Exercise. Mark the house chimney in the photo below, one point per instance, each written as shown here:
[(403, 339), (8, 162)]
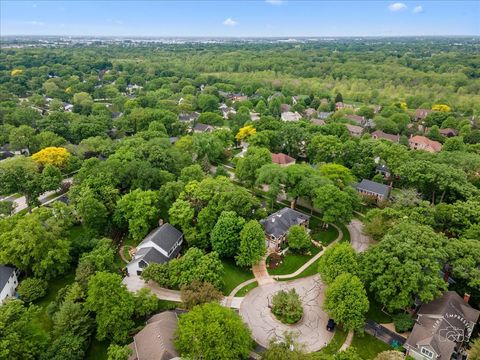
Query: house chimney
[(160, 222), (466, 298)]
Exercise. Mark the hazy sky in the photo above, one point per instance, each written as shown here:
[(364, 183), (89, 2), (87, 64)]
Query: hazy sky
[(240, 18)]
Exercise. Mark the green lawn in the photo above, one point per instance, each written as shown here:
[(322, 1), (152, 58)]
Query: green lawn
[(376, 314), (97, 350), (233, 276), (309, 271), (243, 291), (42, 322), (320, 234), (346, 233), (333, 346), (368, 347), (292, 262)]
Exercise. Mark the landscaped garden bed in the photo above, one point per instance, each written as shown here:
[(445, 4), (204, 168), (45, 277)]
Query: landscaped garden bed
[(290, 262), (287, 306)]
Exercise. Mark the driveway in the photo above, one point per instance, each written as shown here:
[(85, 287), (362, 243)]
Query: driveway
[(311, 329), (358, 240)]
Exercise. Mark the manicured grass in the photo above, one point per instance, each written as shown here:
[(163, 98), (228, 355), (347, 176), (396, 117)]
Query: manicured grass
[(244, 291), (325, 236), (233, 276), (292, 262), (333, 346), (375, 312), (346, 233), (309, 271), (368, 346)]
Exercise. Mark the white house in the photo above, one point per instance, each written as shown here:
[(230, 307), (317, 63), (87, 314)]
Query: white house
[(160, 246), (8, 282), (291, 116)]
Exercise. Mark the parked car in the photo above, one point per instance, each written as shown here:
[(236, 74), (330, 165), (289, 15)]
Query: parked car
[(330, 325)]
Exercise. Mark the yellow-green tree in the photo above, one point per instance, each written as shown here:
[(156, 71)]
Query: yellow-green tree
[(56, 156), (245, 132), (441, 107)]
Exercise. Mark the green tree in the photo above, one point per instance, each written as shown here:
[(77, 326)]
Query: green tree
[(405, 264), (146, 302), (91, 211), (117, 352), (192, 172), (346, 301), (213, 332), (19, 340), (287, 306), (247, 167), (464, 257), (298, 239), (337, 259), (252, 244), (225, 236), (112, 304), (139, 209), (31, 289), (284, 349), (198, 293), (334, 204), (22, 137)]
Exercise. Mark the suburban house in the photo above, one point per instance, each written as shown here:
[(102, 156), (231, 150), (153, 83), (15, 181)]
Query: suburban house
[(418, 142), (371, 188), (277, 224), (442, 329), (188, 117), (226, 110), (359, 120), (421, 114), (310, 113), (354, 130), (291, 116), (285, 108), (340, 105), (156, 340), (160, 246), (254, 116), (448, 132), (323, 115), (318, 122), (8, 282), (203, 128), (282, 159), (379, 134)]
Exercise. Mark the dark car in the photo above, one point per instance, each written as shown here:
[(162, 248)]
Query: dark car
[(330, 325)]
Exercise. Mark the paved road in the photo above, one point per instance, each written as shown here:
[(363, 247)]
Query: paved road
[(358, 240), (311, 329)]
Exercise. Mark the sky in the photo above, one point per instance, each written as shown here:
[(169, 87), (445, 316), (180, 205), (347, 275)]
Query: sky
[(253, 18)]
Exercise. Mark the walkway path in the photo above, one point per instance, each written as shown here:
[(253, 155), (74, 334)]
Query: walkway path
[(358, 240), (348, 341)]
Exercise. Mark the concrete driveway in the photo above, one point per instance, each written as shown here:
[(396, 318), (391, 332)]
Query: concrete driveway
[(358, 240), (311, 329)]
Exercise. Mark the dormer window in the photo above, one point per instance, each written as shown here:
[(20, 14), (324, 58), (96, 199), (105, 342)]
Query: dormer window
[(429, 354)]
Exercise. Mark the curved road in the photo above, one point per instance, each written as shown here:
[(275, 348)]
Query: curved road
[(358, 240)]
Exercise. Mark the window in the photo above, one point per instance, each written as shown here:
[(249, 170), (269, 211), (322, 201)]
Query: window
[(427, 353)]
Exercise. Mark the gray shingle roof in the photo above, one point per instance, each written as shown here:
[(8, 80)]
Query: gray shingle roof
[(164, 236), (277, 224), (5, 273), (374, 187)]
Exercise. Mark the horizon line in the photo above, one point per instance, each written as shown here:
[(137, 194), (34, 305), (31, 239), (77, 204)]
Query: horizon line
[(239, 36)]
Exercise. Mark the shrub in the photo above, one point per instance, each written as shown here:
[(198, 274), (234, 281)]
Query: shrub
[(198, 293), (403, 322), (32, 289), (298, 239), (287, 306)]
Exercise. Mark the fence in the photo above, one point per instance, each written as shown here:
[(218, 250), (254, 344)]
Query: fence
[(384, 334)]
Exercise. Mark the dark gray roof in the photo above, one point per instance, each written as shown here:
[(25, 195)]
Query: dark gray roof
[(374, 187), (202, 127), (5, 273), (151, 255), (277, 224), (164, 236), (441, 324)]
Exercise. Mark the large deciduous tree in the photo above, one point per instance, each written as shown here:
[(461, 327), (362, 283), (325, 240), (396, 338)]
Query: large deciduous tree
[(252, 244), (346, 301), (337, 260), (298, 239), (225, 235), (405, 264), (334, 204), (248, 166), (212, 332)]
